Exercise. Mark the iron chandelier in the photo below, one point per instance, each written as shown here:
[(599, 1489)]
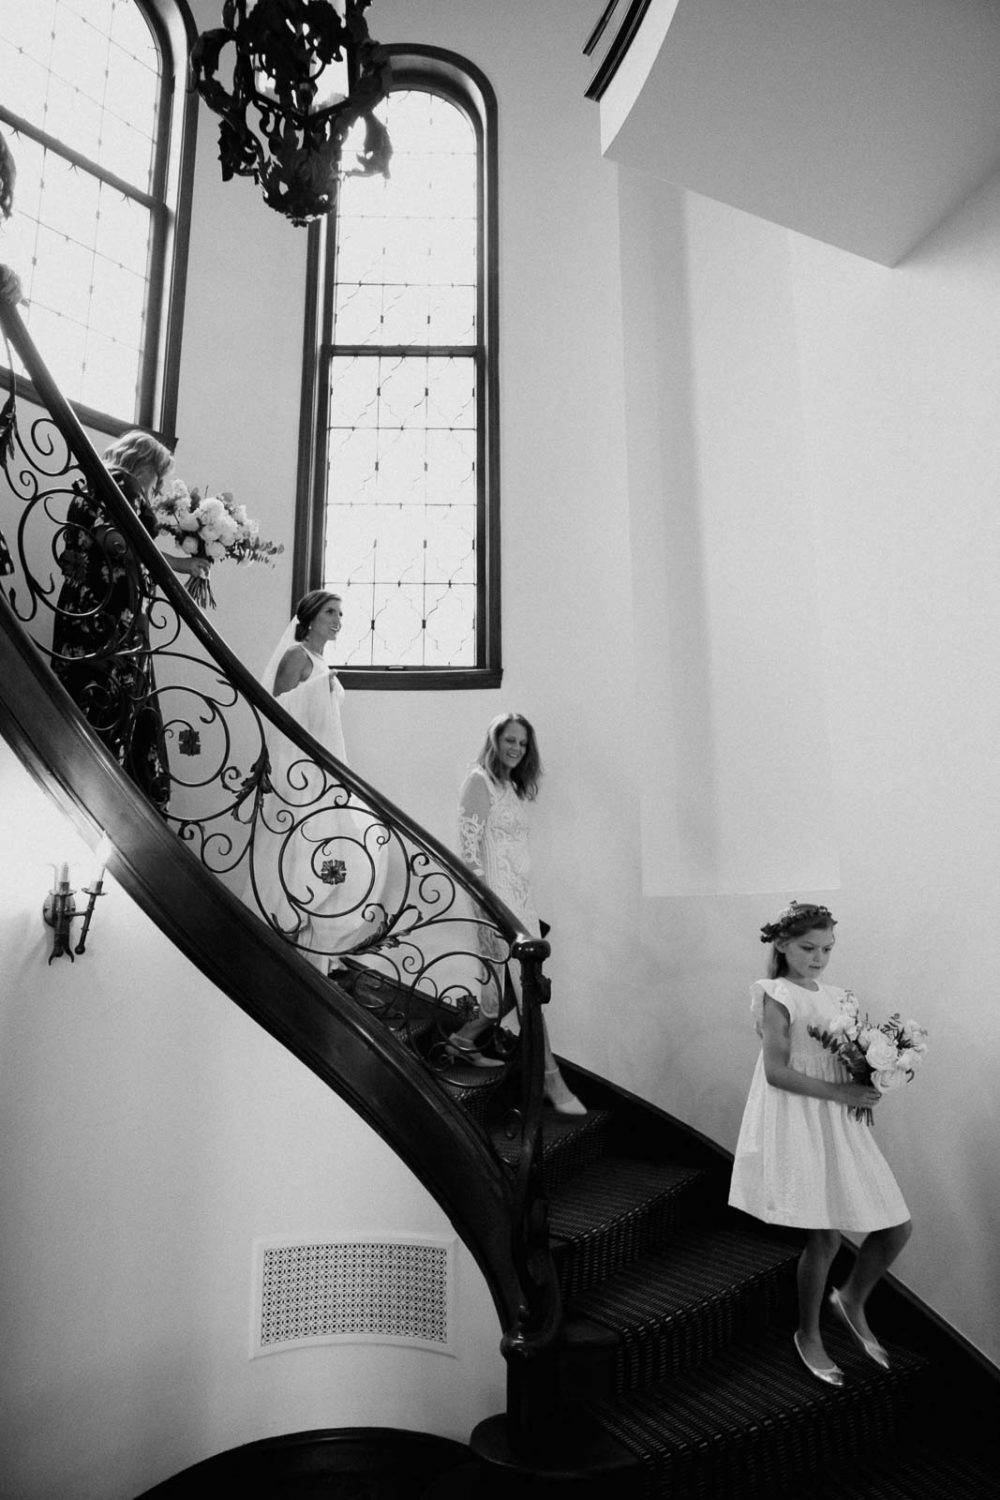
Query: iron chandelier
[(303, 73)]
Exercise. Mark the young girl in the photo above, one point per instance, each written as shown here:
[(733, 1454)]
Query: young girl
[(802, 1158)]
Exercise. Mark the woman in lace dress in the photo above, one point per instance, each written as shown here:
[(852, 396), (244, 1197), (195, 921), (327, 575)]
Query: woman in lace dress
[(493, 842)]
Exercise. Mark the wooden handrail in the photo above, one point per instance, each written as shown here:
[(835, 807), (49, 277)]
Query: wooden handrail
[(500, 1216)]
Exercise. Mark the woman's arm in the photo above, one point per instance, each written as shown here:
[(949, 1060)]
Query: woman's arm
[(473, 811), (293, 668), (779, 1075)]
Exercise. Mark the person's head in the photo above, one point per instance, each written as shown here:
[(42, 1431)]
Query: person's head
[(140, 455), (510, 753), (319, 611), (801, 939)]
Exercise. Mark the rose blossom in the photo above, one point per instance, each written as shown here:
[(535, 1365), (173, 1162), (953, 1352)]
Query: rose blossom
[(887, 1079), (880, 1052)]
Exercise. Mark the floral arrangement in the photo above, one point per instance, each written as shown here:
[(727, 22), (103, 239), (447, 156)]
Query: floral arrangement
[(886, 1056), (214, 527)]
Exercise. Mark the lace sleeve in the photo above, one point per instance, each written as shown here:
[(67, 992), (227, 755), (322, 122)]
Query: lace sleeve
[(473, 810)]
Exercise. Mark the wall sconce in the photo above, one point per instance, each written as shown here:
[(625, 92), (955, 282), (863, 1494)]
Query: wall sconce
[(59, 911)]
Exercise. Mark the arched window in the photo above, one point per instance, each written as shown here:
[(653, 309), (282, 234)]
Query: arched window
[(400, 468), (95, 113)]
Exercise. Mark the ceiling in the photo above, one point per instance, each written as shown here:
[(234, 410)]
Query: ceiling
[(863, 123)]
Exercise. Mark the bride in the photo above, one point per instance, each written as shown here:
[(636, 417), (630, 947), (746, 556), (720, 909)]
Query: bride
[(316, 865)]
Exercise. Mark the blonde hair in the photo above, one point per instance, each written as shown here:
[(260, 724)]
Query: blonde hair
[(135, 451)]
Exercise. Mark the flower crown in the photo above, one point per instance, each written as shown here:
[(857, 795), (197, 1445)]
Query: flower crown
[(795, 913)]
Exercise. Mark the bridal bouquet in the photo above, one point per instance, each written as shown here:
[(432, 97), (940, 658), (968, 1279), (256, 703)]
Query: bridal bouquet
[(211, 526), (886, 1056)]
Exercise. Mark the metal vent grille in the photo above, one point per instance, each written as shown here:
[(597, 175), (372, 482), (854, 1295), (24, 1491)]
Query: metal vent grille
[(353, 1291)]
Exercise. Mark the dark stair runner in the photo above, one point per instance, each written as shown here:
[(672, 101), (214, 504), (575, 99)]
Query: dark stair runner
[(696, 1392), (705, 1396)]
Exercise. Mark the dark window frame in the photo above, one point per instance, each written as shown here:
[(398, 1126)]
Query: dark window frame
[(456, 79), (169, 200)]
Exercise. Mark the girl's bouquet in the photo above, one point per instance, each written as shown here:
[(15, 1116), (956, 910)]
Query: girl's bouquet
[(886, 1056), (211, 526)]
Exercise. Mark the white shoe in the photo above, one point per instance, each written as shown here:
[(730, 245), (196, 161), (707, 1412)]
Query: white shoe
[(560, 1096)]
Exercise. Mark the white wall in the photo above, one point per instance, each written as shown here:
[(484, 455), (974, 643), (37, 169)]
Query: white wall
[(567, 627), (831, 467), (151, 1133), (748, 571)]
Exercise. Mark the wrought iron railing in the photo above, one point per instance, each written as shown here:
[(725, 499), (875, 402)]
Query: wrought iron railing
[(336, 872)]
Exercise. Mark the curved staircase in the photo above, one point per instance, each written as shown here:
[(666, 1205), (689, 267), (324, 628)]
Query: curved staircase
[(646, 1326), (676, 1375), (680, 1313)]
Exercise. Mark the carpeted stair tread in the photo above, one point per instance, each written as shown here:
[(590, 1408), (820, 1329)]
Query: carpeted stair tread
[(614, 1185), (752, 1421), (614, 1211), (569, 1144), (927, 1471), (679, 1305), (473, 1089)]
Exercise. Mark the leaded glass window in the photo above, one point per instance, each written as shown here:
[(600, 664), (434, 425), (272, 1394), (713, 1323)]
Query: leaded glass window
[(83, 106), (407, 489)]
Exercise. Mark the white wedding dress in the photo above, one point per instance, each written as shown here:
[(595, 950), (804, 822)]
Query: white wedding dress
[(318, 865)]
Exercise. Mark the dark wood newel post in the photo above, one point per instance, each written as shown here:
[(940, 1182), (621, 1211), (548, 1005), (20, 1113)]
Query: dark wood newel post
[(532, 1392)]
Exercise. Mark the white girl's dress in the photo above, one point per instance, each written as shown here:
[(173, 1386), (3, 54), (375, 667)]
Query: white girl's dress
[(804, 1162)]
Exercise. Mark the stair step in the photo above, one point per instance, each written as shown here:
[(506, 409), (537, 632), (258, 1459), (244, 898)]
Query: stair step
[(569, 1144), (919, 1473), (474, 1089), (615, 1211), (682, 1304), (752, 1422)]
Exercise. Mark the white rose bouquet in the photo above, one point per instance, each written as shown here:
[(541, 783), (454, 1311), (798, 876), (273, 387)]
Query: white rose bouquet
[(211, 526), (885, 1056)]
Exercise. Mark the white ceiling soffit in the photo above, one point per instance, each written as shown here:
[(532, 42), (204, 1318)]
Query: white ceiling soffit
[(863, 123)]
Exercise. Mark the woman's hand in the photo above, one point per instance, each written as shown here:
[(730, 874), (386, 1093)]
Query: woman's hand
[(195, 567), (114, 543)]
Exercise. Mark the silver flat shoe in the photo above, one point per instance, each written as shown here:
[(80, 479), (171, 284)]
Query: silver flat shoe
[(872, 1347), (468, 1053), (829, 1374)]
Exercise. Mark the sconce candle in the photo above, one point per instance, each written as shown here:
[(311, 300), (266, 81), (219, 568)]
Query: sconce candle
[(94, 890), (60, 910)]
